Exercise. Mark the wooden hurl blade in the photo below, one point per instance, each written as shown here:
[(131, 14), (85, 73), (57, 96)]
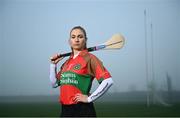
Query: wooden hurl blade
[(115, 42)]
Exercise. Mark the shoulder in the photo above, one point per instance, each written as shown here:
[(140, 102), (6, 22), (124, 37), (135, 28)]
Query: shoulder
[(91, 58)]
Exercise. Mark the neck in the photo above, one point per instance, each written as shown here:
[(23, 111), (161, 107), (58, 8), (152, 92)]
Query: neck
[(76, 52)]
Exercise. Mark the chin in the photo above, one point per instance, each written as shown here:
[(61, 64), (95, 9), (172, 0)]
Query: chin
[(77, 48)]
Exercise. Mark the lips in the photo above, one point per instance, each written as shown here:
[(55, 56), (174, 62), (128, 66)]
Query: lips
[(76, 44)]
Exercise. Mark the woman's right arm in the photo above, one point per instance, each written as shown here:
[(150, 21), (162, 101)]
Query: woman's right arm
[(52, 75), (53, 70)]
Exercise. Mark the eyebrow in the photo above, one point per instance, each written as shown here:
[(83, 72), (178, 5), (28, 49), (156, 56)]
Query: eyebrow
[(77, 35)]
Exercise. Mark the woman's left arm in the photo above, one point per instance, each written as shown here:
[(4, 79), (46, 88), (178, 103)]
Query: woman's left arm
[(102, 88)]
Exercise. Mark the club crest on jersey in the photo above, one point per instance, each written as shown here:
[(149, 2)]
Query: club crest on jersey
[(77, 67)]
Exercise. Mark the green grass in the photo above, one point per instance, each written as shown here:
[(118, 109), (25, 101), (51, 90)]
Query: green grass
[(102, 109), (136, 110), (29, 109)]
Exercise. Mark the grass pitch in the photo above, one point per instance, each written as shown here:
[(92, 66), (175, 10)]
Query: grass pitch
[(106, 109)]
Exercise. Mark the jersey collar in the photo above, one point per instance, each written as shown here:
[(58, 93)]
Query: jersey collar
[(82, 53)]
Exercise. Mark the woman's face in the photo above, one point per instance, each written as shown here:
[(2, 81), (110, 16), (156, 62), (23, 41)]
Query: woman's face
[(77, 39)]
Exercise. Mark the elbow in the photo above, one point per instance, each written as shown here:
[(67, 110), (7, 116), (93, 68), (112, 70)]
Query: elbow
[(54, 85), (111, 82)]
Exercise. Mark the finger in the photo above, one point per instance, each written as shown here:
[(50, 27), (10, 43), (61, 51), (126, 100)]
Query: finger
[(57, 55), (57, 60), (76, 100), (79, 98), (52, 59), (61, 58), (78, 94)]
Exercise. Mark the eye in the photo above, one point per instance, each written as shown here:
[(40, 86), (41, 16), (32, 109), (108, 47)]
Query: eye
[(81, 36), (72, 36)]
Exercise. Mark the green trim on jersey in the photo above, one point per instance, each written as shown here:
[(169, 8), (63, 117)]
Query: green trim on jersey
[(82, 82), (100, 80)]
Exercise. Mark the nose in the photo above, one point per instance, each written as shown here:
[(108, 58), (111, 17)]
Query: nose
[(77, 39)]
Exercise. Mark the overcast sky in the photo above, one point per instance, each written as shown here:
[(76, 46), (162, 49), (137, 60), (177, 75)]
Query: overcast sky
[(33, 30)]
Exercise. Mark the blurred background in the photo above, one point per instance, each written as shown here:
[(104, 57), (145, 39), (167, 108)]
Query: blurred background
[(145, 71)]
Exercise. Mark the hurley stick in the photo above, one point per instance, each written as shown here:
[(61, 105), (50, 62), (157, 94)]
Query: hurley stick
[(115, 42)]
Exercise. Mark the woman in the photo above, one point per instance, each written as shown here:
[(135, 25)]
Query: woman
[(76, 75)]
